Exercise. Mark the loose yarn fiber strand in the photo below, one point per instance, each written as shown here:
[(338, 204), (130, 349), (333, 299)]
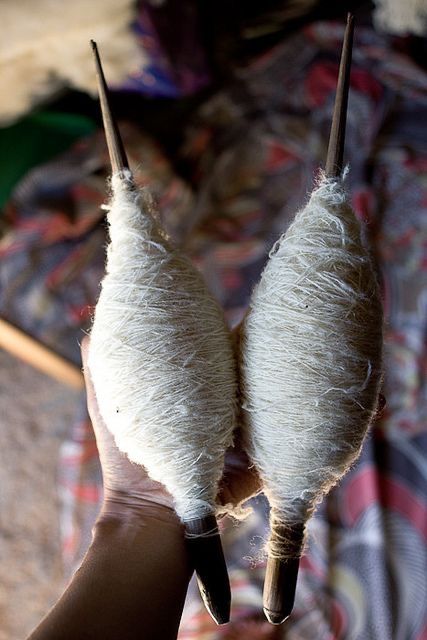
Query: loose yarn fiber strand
[(161, 357), (310, 361)]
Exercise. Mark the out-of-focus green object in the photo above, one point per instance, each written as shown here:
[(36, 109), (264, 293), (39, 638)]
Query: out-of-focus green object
[(35, 139)]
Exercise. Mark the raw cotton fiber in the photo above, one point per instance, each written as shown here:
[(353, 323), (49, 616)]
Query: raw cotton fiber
[(401, 17), (44, 48)]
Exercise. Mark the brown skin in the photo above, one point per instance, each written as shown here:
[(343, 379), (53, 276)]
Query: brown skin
[(134, 578)]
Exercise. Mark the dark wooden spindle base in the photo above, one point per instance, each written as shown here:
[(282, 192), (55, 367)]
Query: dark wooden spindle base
[(208, 560)]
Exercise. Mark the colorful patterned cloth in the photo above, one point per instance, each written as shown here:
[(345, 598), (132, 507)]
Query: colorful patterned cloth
[(251, 154), (177, 64)]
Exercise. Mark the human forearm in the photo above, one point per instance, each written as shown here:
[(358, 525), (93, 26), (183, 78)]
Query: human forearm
[(132, 582)]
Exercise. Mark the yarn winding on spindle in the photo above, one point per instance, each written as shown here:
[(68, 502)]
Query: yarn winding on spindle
[(161, 357), (310, 361)]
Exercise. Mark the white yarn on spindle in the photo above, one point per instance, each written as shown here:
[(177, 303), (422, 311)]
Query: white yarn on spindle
[(310, 360), (161, 357)]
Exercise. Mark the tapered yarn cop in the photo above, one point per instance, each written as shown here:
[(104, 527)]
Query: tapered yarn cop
[(163, 369), (311, 367)]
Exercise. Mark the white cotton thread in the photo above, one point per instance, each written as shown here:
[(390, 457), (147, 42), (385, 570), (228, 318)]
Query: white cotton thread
[(211, 533), (239, 511), (161, 357), (310, 361)]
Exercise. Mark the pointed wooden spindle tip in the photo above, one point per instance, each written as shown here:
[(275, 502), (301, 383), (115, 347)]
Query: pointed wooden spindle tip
[(280, 585), (281, 575), (115, 146), (207, 557), (334, 159)]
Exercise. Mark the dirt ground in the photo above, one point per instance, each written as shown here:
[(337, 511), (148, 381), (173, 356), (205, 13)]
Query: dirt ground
[(35, 414)]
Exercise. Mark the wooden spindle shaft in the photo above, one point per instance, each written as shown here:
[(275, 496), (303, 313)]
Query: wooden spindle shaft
[(39, 356), (335, 155), (282, 573), (115, 146)]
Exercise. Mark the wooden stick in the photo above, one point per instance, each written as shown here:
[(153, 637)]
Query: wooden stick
[(21, 345), (116, 149), (207, 556), (204, 542), (281, 575), (335, 155)]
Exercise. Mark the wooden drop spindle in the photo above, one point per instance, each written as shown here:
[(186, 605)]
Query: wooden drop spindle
[(204, 542), (281, 575)]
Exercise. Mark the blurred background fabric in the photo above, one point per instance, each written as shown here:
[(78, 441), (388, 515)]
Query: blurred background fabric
[(227, 121)]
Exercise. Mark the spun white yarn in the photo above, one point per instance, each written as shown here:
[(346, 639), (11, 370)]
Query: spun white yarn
[(161, 357), (310, 360)]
